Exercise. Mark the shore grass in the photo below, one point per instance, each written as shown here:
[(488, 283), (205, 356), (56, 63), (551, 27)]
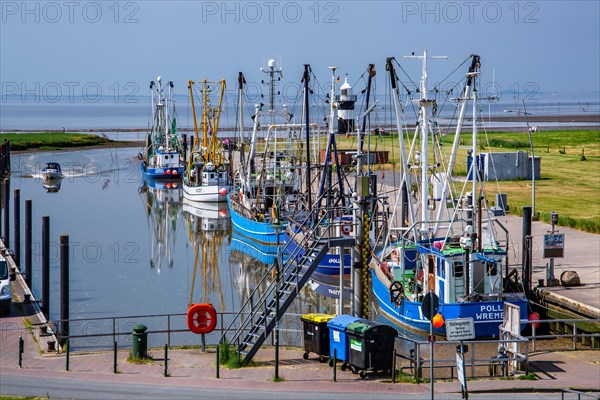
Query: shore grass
[(53, 140), (570, 171)]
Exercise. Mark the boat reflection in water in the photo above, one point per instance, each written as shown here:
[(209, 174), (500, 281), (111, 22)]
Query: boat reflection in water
[(52, 186), (162, 201), (208, 229)]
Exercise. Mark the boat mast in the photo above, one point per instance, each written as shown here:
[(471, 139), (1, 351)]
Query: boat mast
[(424, 104), (405, 204), (306, 79), (242, 138), (196, 129), (475, 63), (475, 168)]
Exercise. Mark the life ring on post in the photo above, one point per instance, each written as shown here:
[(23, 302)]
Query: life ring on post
[(396, 293), (347, 228), (201, 318)]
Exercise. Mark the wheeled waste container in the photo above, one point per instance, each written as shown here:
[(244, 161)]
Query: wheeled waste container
[(337, 338), (370, 346), (316, 335)]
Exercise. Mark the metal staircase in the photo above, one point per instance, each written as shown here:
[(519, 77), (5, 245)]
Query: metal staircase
[(252, 325)]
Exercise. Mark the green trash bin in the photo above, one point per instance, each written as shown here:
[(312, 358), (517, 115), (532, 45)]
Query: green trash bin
[(139, 342), (371, 346)]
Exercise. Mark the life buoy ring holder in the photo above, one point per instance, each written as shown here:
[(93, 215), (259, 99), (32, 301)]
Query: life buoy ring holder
[(201, 318), (396, 293), (347, 228)]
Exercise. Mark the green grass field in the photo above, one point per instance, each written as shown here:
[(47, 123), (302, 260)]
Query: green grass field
[(570, 171), (52, 140)]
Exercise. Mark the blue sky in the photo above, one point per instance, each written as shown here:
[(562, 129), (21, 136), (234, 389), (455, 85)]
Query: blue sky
[(550, 46)]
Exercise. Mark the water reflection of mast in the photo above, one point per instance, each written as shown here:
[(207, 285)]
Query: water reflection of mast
[(163, 205), (207, 226)]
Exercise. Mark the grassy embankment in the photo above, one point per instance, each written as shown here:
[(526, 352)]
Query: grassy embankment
[(570, 171), (53, 140)]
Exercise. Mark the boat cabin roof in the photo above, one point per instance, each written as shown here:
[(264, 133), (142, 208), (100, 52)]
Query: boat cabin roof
[(52, 165)]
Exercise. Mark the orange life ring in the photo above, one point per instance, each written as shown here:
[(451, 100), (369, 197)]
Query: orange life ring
[(201, 318)]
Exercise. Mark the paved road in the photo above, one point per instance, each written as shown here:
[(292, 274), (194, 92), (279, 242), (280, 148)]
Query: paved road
[(91, 390)]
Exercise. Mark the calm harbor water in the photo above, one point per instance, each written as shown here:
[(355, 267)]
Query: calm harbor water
[(137, 248)]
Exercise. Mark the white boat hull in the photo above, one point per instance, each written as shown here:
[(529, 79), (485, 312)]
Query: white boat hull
[(206, 193)]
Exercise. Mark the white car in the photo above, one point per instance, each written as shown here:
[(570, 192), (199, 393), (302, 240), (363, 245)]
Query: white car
[(5, 291)]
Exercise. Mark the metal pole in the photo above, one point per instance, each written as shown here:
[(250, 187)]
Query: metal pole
[(115, 357), (68, 354), (21, 349), (28, 228), (166, 372), (277, 316), (217, 357), (64, 285), (532, 162), (341, 309), (46, 265), (524, 256), (334, 364), (431, 309), (394, 368), (17, 228)]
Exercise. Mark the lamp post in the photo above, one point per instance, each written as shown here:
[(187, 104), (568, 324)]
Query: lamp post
[(529, 130)]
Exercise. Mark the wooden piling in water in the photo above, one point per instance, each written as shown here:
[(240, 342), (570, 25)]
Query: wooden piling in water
[(46, 265), (64, 285), (28, 228), (6, 189), (17, 228)]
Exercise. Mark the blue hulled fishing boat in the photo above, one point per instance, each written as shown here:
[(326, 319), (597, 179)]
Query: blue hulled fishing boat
[(447, 241), (161, 158)]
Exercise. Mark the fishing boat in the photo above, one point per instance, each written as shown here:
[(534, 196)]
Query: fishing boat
[(52, 172), (161, 158), (269, 177), (208, 174), (447, 242)]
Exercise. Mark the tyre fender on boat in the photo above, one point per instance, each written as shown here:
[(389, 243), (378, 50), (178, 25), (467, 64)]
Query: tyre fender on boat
[(396, 293)]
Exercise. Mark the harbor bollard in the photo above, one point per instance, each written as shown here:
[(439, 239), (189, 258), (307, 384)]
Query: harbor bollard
[(139, 342)]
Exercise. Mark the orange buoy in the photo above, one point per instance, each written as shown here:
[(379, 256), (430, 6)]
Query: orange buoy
[(437, 321), (535, 317)]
